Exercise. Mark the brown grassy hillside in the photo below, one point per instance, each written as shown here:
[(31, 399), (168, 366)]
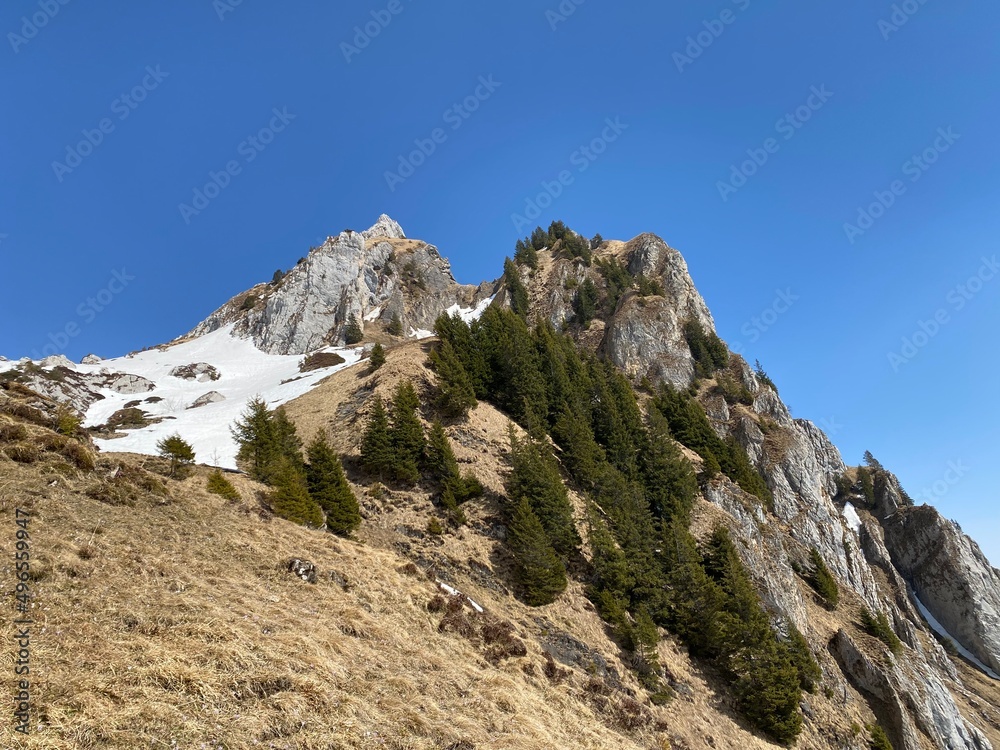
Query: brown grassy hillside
[(165, 617)]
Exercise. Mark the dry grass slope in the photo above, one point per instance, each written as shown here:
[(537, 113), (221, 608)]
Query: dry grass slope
[(166, 616)]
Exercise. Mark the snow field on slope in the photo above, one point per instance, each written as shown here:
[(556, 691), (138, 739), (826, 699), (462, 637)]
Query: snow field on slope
[(245, 372)]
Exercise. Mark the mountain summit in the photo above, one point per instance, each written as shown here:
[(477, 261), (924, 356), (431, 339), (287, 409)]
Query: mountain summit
[(373, 276)]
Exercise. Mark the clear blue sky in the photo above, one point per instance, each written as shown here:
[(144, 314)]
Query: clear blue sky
[(885, 93)]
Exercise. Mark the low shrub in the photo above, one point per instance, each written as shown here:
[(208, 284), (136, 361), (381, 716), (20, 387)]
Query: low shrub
[(319, 360), (219, 485), (879, 627)]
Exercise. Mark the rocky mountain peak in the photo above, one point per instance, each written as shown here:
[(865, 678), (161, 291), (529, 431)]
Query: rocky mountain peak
[(384, 227), (374, 276)]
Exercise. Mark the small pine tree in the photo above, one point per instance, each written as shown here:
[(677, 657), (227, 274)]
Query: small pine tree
[(585, 303), (540, 574), (353, 332), (290, 498), (540, 239), (439, 458), (456, 394), (879, 739), (376, 445), (395, 327), (377, 358), (329, 488), (822, 580), (667, 476), (872, 463), (802, 657), (867, 486), (287, 438), (535, 478), (259, 449), (645, 638), (219, 485), (406, 434), (526, 254), (596, 241), (763, 377), (612, 578), (877, 625), (449, 502), (177, 450), (516, 291)]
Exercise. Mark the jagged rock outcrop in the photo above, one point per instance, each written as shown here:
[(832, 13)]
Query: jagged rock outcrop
[(645, 335), (907, 699), (77, 390), (200, 371), (212, 397), (372, 275), (762, 549), (950, 575)]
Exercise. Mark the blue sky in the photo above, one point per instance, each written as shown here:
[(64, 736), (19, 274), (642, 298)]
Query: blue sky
[(748, 134)]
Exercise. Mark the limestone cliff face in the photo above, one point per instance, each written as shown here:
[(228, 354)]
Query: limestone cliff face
[(372, 275), (645, 335), (948, 573)]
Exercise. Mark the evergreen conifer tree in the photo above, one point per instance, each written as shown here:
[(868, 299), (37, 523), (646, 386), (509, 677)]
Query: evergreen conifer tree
[(290, 497), (695, 600), (765, 681), (406, 434), (540, 239), (612, 581), (540, 574), (867, 486), (377, 358), (802, 657), (219, 485), (823, 581), (376, 445), (645, 639), (286, 437), (329, 488), (535, 478), (353, 332), (526, 254), (583, 457), (439, 458), (585, 303), (256, 436), (456, 394), (872, 463), (516, 291), (395, 327), (667, 477), (177, 450), (459, 334)]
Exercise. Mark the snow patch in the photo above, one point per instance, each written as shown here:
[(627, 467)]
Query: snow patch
[(245, 372), (469, 314), (455, 592), (372, 315), (852, 518), (939, 629), (420, 333)]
